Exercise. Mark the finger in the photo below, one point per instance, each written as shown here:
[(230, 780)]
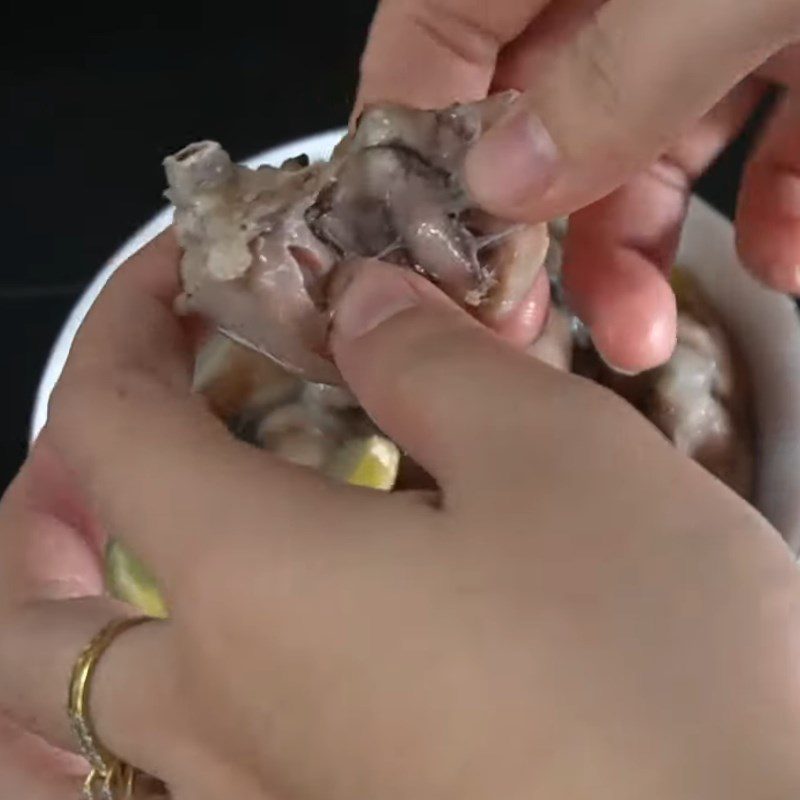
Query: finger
[(626, 303), (132, 694), (439, 383), (526, 321), (620, 249), (132, 326), (49, 546), (431, 53), (768, 213), (31, 769), (157, 467), (51, 605), (49, 557), (610, 102)]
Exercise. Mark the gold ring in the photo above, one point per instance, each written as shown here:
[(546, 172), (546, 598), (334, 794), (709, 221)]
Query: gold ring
[(109, 778)]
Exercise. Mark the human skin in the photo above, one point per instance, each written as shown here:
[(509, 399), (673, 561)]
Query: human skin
[(325, 642), (650, 669), (626, 102)]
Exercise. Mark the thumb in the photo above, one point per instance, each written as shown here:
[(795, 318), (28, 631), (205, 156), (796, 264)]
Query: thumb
[(444, 387), (610, 101)]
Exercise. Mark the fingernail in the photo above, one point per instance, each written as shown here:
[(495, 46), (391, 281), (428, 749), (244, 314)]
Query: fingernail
[(514, 161), (373, 295)]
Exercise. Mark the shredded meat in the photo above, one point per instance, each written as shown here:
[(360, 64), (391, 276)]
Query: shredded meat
[(260, 246), (700, 398)]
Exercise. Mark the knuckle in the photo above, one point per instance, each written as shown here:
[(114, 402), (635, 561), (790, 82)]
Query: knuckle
[(590, 84), (464, 35), (600, 67)]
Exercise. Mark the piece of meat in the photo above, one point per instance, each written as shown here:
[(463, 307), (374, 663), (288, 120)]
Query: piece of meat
[(699, 399), (265, 405), (260, 246), (238, 382)]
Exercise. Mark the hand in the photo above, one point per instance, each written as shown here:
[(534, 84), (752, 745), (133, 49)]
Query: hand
[(581, 613), (625, 103)]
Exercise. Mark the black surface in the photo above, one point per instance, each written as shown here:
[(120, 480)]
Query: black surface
[(92, 105)]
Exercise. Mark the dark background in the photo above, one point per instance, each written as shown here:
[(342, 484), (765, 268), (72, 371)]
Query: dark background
[(92, 104)]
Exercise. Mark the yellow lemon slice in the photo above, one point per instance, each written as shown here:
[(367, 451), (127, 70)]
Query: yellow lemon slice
[(372, 462), (129, 580)]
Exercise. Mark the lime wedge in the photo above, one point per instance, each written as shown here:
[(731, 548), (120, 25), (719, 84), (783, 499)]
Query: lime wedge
[(128, 580), (371, 462)]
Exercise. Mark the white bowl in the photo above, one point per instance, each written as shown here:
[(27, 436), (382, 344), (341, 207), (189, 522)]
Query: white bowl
[(764, 323)]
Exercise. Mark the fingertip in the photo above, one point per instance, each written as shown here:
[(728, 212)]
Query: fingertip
[(771, 252), (768, 227), (366, 293), (627, 304), (637, 337), (768, 213), (381, 320), (155, 268)]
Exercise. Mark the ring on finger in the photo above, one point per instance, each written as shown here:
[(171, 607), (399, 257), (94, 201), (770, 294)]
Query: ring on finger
[(110, 778)]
